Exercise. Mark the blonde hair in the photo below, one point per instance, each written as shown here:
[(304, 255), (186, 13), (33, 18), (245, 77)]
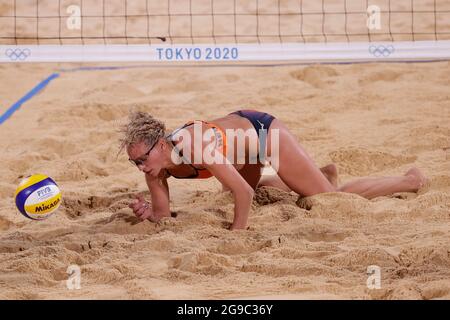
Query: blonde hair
[(142, 127)]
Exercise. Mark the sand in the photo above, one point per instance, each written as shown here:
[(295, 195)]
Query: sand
[(368, 119)]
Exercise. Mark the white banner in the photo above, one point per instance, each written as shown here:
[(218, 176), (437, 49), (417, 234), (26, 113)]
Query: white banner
[(311, 52)]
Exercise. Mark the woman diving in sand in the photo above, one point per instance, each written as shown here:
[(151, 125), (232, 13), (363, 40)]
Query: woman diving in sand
[(233, 149)]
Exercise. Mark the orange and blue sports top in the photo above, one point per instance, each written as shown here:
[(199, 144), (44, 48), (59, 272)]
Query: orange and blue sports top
[(221, 142), (261, 121)]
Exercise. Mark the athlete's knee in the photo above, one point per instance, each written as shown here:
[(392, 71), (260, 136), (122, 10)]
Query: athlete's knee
[(331, 188), (273, 181), (327, 188)]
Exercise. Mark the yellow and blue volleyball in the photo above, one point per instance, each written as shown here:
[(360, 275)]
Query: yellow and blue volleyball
[(37, 197)]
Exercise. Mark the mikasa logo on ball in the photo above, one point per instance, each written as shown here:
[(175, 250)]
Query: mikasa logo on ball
[(46, 207)]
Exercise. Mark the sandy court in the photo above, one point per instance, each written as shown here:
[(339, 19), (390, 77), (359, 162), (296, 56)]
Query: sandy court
[(369, 119)]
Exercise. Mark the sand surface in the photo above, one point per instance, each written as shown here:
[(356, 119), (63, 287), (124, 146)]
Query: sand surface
[(369, 119)]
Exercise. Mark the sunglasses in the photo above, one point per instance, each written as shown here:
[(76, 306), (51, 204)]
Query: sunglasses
[(140, 161)]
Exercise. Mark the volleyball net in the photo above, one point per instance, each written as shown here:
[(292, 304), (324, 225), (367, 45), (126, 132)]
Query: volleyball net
[(223, 30)]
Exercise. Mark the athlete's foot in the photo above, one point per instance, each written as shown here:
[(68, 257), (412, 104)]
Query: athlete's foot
[(418, 179), (330, 172)]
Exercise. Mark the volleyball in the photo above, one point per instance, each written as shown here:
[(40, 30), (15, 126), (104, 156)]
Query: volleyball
[(37, 197)]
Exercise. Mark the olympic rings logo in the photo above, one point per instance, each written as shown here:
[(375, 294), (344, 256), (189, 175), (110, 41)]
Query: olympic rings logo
[(381, 50), (18, 54)]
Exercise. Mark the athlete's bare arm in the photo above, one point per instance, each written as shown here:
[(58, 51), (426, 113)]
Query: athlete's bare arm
[(159, 191), (242, 192)]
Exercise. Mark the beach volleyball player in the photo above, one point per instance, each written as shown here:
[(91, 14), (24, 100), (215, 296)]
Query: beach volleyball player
[(225, 148)]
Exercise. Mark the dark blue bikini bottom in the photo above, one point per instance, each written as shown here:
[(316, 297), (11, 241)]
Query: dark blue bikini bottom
[(261, 121)]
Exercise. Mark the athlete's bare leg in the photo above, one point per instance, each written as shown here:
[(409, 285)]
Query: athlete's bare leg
[(299, 172), (370, 188), (329, 171)]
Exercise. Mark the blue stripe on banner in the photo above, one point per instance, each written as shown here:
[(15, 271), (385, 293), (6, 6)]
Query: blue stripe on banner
[(27, 97), (22, 195)]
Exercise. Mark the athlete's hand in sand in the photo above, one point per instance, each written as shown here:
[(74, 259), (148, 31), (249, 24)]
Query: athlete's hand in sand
[(143, 210)]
